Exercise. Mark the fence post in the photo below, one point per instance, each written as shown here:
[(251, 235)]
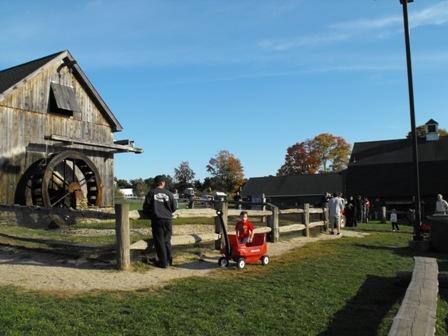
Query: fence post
[(122, 236), (263, 200), (273, 224), (223, 206), (306, 219)]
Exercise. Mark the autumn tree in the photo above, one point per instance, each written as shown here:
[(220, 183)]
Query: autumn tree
[(332, 150), (226, 171), (301, 158), (183, 176), (325, 152)]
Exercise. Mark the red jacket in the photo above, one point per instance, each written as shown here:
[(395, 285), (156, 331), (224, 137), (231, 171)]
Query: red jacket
[(244, 229)]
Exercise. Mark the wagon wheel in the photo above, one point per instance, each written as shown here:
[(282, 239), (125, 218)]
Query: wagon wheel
[(69, 179)]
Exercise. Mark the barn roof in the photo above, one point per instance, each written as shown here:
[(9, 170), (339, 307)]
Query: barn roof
[(14, 75), (398, 151), (294, 185)]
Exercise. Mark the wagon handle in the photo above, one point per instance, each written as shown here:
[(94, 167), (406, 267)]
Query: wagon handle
[(224, 230)]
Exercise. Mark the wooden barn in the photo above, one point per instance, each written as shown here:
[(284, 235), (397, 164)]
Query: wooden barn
[(384, 169), (57, 136), (294, 190)]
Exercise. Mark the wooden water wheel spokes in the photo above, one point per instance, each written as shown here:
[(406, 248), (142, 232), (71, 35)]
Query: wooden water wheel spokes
[(67, 180)]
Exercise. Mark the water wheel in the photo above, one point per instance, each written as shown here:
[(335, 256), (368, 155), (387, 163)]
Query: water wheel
[(68, 179)]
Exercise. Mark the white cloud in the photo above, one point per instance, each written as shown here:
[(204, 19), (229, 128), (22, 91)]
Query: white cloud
[(311, 40), (434, 15), (380, 28)]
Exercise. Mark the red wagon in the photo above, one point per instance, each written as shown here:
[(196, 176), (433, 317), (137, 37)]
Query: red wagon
[(250, 253)]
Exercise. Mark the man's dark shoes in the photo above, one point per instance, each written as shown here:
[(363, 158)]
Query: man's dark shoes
[(160, 265)]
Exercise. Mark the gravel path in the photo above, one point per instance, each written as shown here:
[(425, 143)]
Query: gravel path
[(39, 271)]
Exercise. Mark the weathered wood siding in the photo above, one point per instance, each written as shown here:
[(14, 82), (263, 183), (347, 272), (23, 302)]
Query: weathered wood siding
[(25, 121)]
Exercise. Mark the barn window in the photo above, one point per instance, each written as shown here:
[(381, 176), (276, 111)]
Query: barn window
[(63, 100)]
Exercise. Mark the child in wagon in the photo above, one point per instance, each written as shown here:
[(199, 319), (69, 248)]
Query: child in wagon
[(244, 229)]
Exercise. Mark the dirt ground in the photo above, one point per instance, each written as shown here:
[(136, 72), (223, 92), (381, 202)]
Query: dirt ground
[(40, 271)]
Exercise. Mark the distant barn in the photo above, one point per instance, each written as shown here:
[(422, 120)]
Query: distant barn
[(385, 170), (377, 169), (293, 190), (57, 136)]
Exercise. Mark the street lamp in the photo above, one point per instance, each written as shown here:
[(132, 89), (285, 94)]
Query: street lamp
[(417, 222)]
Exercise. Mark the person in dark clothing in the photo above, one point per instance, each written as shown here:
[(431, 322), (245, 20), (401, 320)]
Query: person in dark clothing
[(358, 210), (159, 205), (237, 200), (350, 211)]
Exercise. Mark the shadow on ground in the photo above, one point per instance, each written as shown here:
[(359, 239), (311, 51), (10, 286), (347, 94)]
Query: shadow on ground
[(364, 313)]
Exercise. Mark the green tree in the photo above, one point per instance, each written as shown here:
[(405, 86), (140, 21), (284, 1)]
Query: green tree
[(183, 176), (121, 183), (139, 187), (226, 171)]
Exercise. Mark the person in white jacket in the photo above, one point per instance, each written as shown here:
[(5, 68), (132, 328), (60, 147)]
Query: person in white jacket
[(441, 205), (335, 207)]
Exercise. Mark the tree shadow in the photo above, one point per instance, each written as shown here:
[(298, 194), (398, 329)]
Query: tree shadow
[(405, 251), (47, 252), (365, 312), (27, 257)]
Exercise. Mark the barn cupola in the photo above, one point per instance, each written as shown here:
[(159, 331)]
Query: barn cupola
[(432, 130)]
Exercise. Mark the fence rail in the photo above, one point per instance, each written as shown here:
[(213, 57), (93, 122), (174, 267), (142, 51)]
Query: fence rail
[(270, 217)]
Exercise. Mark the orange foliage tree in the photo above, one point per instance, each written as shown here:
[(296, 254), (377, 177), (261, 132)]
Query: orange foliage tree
[(325, 152), (301, 158), (226, 171)]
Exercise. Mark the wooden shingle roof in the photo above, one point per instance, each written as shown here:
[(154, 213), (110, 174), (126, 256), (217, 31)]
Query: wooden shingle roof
[(294, 185), (11, 76), (398, 151)]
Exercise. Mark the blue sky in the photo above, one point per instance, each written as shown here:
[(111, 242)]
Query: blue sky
[(189, 78)]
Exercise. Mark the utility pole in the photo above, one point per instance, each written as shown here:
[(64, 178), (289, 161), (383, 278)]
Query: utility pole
[(417, 202)]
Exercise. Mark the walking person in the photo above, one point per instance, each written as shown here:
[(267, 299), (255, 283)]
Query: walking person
[(366, 208), (325, 199), (237, 200), (159, 205), (394, 220), (335, 208)]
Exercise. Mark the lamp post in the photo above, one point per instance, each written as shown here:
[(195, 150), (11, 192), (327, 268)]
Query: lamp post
[(417, 222)]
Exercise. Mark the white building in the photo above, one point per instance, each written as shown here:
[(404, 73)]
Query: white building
[(127, 192)]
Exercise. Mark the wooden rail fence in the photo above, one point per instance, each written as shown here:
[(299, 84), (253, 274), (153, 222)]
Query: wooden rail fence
[(271, 215)]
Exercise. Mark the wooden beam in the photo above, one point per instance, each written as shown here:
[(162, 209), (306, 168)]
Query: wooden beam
[(181, 240), (291, 228), (118, 148), (418, 310)]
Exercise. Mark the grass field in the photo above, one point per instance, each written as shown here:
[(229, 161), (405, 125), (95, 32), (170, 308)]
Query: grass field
[(338, 287)]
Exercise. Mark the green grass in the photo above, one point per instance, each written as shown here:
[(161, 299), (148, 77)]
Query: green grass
[(338, 287), (375, 226)]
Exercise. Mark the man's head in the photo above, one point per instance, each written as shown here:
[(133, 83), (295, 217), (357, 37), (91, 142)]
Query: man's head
[(439, 196), (159, 181)]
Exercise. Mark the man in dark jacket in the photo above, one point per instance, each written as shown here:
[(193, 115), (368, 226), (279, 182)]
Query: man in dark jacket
[(159, 205)]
